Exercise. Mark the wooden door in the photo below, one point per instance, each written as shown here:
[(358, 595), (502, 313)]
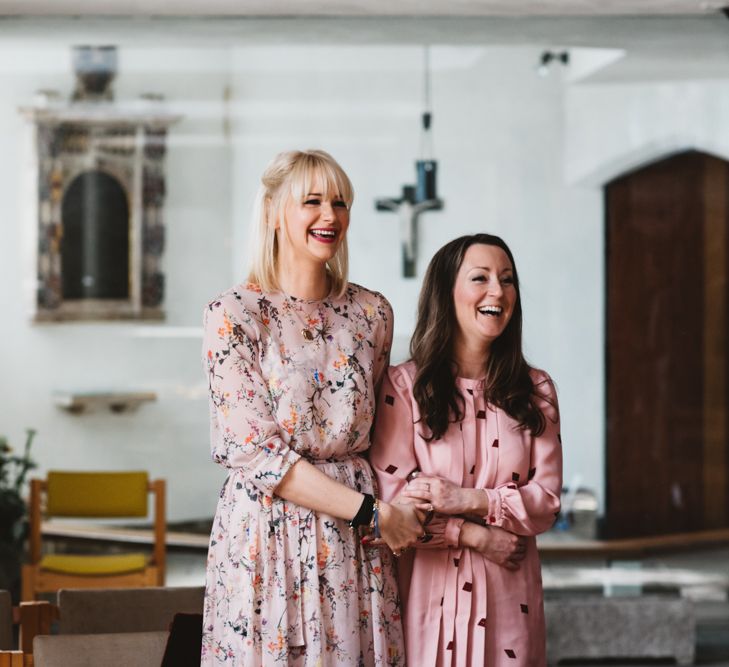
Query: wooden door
[(667, 248)]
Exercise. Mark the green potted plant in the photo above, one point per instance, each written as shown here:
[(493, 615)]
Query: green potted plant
[(14, 470)]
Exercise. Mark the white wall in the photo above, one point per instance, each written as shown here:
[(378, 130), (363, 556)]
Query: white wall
[(169, 437), (614, 128), (519, 156), (499, 135)]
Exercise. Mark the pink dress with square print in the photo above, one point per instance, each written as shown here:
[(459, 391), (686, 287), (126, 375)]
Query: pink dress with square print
[(460, 609)]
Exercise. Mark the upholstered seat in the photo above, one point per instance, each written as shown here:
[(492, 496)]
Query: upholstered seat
[(125, 610), (130, 611), (130, 649), (91, 565), (98, 495)]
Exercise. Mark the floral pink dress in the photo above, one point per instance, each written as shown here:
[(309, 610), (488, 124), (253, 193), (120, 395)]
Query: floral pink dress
[(288, 379), (461, 609)]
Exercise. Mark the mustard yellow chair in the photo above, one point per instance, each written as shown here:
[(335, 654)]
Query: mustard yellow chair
[(93, 495)]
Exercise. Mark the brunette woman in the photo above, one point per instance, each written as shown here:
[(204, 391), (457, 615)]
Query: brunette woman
[(470, 432)]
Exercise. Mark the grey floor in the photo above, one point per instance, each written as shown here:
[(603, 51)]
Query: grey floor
[(702, 575)]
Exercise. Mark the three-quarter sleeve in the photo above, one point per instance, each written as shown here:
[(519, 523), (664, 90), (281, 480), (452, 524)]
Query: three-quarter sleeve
[(244, 434), (531, 508)]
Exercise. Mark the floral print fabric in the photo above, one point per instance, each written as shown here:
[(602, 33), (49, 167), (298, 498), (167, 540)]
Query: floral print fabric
[(290, 378)]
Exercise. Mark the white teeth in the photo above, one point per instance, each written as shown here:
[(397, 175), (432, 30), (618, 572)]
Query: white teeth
[(490, 310), (326, 233)]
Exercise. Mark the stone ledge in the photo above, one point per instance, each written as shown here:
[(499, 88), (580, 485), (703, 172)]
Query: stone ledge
[(594, 627)]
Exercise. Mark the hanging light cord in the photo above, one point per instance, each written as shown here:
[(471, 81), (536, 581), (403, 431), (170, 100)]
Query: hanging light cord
[(427, 115)]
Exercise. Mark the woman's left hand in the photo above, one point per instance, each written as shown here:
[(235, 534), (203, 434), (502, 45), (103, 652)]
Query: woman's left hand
[(400, 526), (436, 494)]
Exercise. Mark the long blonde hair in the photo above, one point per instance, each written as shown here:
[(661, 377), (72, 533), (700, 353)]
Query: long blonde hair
[(290, 175)]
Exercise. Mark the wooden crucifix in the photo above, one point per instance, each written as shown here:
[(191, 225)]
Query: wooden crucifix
[(414, 201)]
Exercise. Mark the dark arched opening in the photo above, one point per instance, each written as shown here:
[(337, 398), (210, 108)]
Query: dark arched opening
[(95, 246)]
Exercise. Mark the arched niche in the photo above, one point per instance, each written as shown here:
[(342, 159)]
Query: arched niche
[(95, 250), (101, 189)]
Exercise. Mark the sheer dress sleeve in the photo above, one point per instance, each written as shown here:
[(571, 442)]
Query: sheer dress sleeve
[(244, 433)]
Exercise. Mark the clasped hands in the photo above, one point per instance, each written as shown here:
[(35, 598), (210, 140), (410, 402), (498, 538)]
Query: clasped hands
[(426, 495)]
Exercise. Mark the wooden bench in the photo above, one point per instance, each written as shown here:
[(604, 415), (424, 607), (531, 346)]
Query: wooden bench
[(88, 612)]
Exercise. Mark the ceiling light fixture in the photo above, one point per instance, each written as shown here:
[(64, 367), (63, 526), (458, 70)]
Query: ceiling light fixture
[(549, 57)]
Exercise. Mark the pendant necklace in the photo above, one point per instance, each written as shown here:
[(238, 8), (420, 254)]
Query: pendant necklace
[(308, 331)]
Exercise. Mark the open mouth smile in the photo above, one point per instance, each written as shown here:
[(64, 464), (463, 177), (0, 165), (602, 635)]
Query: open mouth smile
[(492, 311), (324, 235)]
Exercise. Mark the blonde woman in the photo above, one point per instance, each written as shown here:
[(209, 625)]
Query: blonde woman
[(293, 359)]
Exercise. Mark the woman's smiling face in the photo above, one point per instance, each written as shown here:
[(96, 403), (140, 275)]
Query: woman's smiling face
[(315, 226), (484, 295)]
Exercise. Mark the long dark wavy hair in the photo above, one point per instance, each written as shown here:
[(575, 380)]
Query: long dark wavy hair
[(508, 383)]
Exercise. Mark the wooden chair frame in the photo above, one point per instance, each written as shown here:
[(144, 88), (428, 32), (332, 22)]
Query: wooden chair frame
[(35, 580), (33, 618), (38, 617), (15, 659)]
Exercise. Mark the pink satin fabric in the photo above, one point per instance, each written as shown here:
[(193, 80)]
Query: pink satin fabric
[(460, 608)]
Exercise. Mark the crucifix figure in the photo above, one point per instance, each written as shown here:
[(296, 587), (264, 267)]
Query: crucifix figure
[(413, 202)]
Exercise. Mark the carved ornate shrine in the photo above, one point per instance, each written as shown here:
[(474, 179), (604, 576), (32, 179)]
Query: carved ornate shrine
[(100, 196)]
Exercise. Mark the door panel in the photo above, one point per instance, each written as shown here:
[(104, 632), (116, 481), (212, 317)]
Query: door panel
[(666, 228)]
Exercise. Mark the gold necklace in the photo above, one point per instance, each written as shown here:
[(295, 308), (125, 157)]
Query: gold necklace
[(309, 330), (306, 331)]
